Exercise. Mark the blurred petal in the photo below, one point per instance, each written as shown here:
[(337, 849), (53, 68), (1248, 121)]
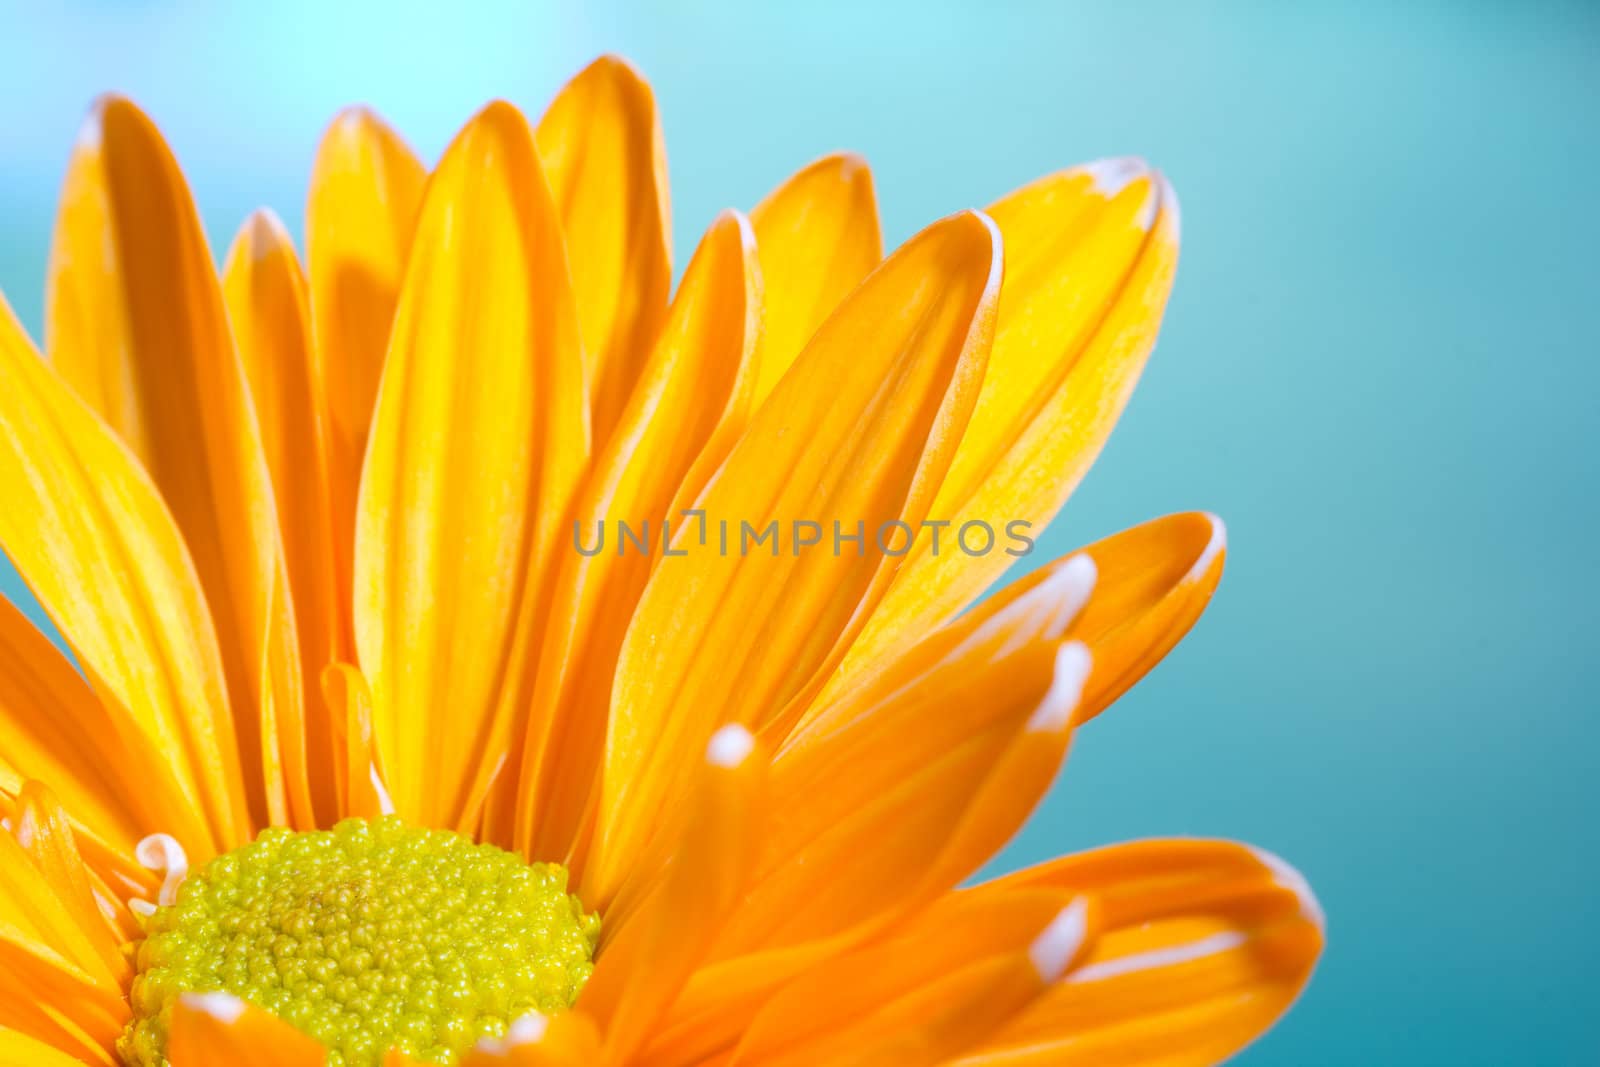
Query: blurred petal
[(601, 145), (20, 1050), (1090, 255), (1204, 945), (366, 187), (697, 382), (265, 292), (209, 1029), (136, 323), (477, 445), (89, 534), (861, 433), (818, 235)]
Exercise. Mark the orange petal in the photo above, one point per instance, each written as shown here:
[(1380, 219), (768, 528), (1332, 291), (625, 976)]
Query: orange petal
[(860, 433), (366, 186), (209, 1029), (1090, 255), (265, 292), (20, 1050), (696, 383), (892, 797), (477, 445), (910, 794), (53, 727), (600, 141), (1204, 945), (927, 995), (136, 323), (29, 904), (92, 539), (819, 237), (363, 794), (568, 1040), (643, 965), (40, 826), (43, 995), (1155, 580)]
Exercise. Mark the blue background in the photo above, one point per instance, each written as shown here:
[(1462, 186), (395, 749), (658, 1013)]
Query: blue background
[(1380, 366)]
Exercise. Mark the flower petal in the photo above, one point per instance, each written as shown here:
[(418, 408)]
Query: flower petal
[(265, 293), (53, 727), (891, 798), (20, 1050), (29, 905), (926, 995), (898, 797), (479, 440), (696, 386), (363, 794), (601, 145), (41, 828), (1090, 255), (216, 1028), (366, 187), (1204, 945), (642, 966), (1155, 580), (860, 433), (46, 997), (818, 235), (90, 535), (136, 323)]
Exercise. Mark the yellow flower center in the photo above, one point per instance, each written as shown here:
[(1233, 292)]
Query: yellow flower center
[(370, 936)]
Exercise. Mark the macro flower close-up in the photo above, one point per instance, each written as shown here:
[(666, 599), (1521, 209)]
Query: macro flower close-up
[(487, 641)]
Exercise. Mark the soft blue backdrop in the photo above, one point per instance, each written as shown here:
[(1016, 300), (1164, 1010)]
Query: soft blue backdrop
[(1380, 366)]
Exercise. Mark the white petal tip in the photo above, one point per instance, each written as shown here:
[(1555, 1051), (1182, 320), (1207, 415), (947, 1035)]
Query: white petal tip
[(730, 746), (1066, 688), (223, 1007), (1053, 951), (1292, 880), (1213, 549), (1109, 177), (1073, 584), (526, 1030)]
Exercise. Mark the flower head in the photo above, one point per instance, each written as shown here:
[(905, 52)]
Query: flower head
[(379, 750)]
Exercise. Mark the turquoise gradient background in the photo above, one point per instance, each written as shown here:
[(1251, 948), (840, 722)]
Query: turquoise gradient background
[(1380, 366)]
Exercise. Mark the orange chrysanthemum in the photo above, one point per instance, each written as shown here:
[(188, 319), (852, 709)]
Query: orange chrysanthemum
[(310, 535)]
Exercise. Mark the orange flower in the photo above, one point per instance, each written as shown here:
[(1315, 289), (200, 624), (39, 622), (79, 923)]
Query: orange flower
[(311, 535)]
